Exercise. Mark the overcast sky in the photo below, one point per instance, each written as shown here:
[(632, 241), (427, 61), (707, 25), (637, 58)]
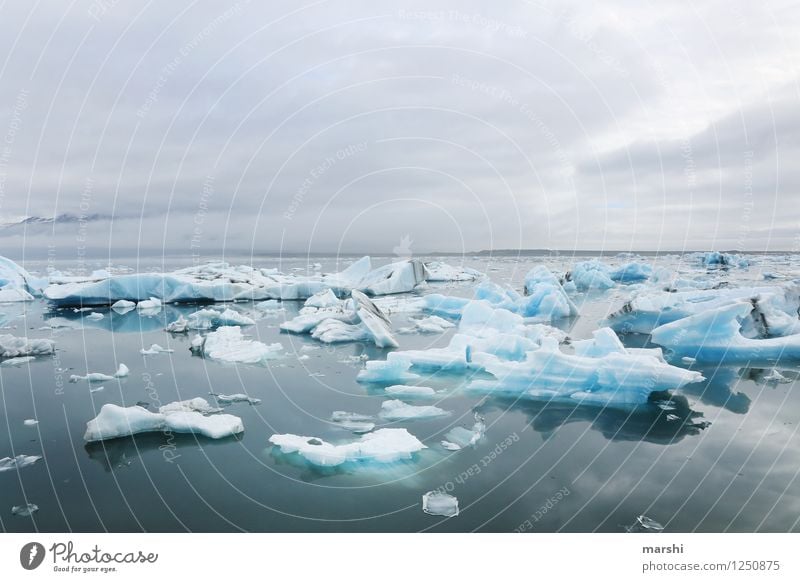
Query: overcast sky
[(402, 127)]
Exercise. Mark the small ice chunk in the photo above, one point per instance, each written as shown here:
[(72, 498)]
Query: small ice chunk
[(180, 325), (439, 503), (231, 398), (386, 445), (18, 462), (98, 389), (17, 361), (644, 524), (323, 299), (24, 510), (15, 347), (122, 371), (154, 350), (394, 370), (227, 344), (95, 316), (150, 304), (451, 446), (410, 391), (30, 422), (91, 377), (353, 421), (192, 405), (777, 377), (399, 410), (123, 306), (211, 318)]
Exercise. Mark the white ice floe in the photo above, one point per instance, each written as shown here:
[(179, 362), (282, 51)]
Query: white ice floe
[(16, 347), (153, 303), (24, 510), (223, 282), (440, 503), (123, 306), (116, 421), (386, 445), (438, 271), (95, 316), (323, 300), (231, 398), (405, 391), (180, 325), (399, 410), (211, 318), (460, 437), (154, 350), (228, 344), (357, 319), (17, 361), (716, 336), (198, 404), (389, 371), (430, 324), (30, 422), (353, 421), (122, 372), (18, 462), (718, 259)]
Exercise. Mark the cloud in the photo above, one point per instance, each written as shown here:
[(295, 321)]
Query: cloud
[(323, 126)]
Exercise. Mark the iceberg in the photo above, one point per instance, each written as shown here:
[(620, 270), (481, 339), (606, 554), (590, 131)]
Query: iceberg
[(716, 336), (459, 437), (19, 347), (18, 462), (590, 275), (16, 284), (775, 309), (122, 372), (180, 325), (386, 445), (211, 318), (438, 271), (389, 371), (430, 324), (546, 299), (399, 410), (717, 259), (607, 375), (221, 282), (117, 421), (232, 398), (227, 344), (16, 361), (439, 503), (374, 320), (123, 306), (30, 422)]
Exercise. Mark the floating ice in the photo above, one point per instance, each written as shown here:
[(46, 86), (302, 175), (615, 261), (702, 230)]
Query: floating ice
[(231, 398), (152, 303), (227, 344), (775, 312), (388, 371), (545, 299), (18, 462), (590, 275), (402, 391), (15, 347), (198, 404), (154, 350), (95, 316), (223, 282), (609, 375), (644, 524), (373, 318), (122, 372), (211, 318), (16, 284), (439, 503), (430, 324), (716, 336), (718, 259), (399, 410), (386, 445), (438, 271), (180, 325), (459, 437), (115, 421), (353, 421), (17, 361), (30, 422), (123, 306), (24, 510), (323, 299)]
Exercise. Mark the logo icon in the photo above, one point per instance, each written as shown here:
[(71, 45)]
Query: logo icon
[(31, 555)]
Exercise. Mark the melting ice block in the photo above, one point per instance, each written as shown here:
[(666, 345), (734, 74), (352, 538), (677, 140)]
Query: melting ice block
[(16, 347), (608, 373), (399, 410), (438, 271), (385, 445), (227, 344), (716, 336), (439, 503), (18, 462), (545, 299), (16, 284), (181, 417), (211, 318)]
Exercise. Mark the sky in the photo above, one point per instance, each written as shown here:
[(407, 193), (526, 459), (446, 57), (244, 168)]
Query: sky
[(208, 128)]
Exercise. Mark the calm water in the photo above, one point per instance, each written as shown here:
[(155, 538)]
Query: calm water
[(726, 460)]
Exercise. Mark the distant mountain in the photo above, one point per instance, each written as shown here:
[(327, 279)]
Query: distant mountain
[(65, 218)]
